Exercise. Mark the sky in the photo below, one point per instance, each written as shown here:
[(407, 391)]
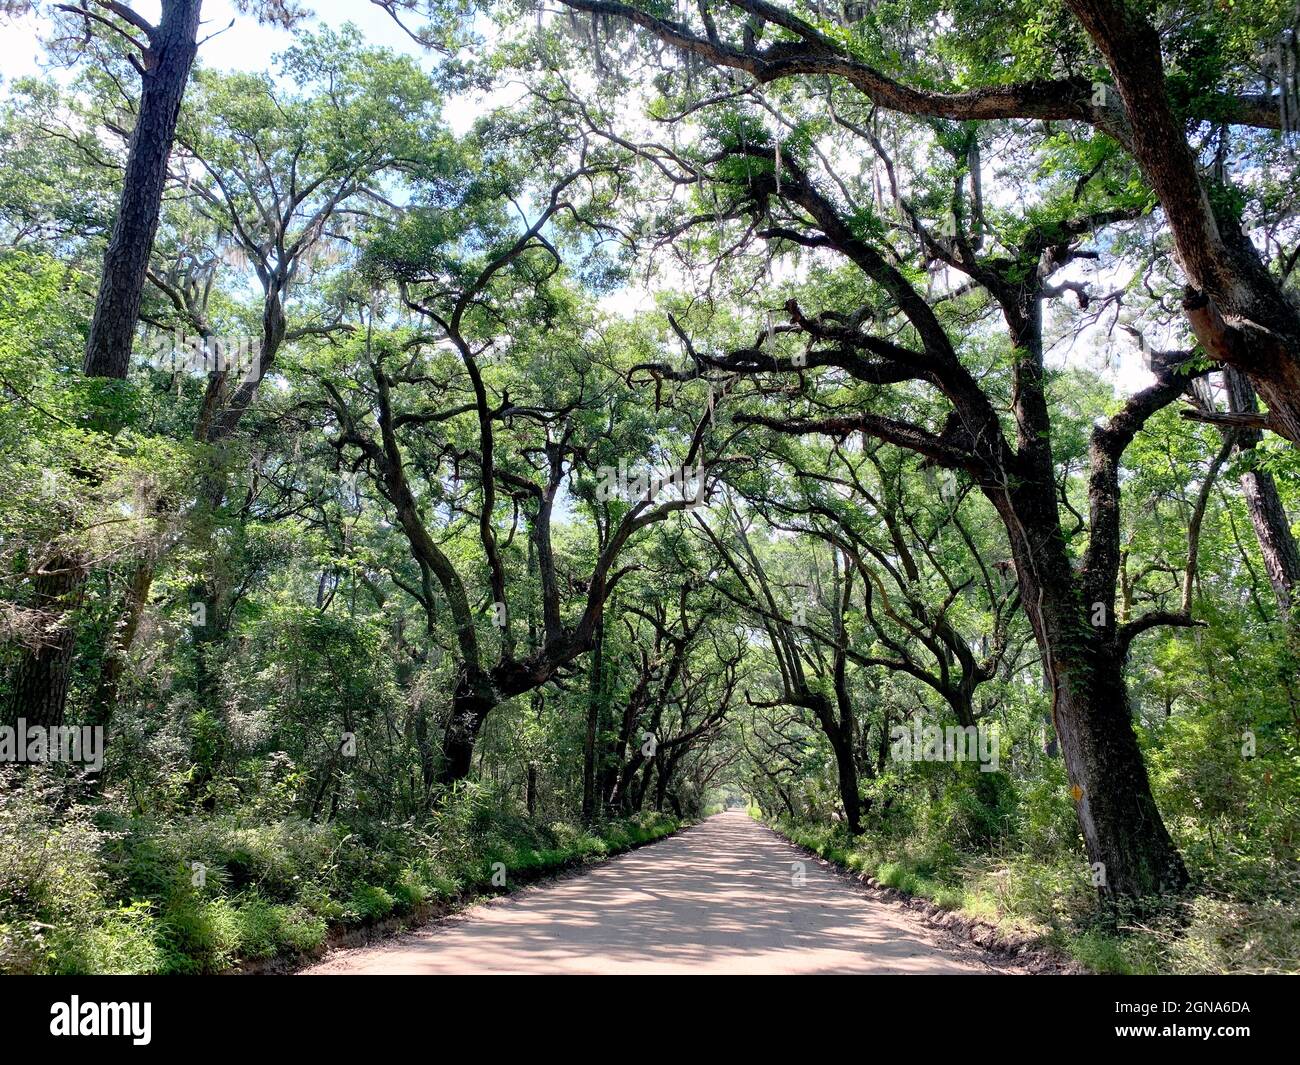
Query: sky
[(247, 46)]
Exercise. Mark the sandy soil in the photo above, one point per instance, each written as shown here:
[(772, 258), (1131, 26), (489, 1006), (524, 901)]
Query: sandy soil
[(717, 898)]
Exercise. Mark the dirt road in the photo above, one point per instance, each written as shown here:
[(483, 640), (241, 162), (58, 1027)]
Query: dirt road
[(720, 897)]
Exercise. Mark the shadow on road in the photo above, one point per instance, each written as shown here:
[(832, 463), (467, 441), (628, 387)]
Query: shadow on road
[(717, 898)]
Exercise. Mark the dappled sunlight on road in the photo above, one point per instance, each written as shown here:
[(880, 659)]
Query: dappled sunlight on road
[(718, 898)]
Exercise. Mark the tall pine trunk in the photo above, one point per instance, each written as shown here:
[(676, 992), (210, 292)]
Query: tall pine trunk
[(166, 71), (43, 675)]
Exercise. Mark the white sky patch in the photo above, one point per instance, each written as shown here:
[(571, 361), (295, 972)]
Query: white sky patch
[(247, 46)]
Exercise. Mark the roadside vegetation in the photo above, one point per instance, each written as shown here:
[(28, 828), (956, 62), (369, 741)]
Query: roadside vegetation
[(99, 893)]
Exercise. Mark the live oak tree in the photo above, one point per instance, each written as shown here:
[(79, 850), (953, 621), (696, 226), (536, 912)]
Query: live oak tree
[(678, 683), (1159, 91), (883, 592), (814, 678), (285, 179), (933, 607), (492, 441), (797, 195), (490, 664), (1070, 602), (279, 180)]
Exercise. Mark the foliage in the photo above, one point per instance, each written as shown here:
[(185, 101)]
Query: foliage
[(384, 615)]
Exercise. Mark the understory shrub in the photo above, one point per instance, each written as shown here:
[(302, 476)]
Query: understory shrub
[(85, 890)]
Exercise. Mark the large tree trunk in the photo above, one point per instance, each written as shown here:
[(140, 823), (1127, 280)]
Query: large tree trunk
[(1264, 503), (469, 709), (457, 755), (839, 732), (166, 63), (847, 771), (622, 797), (1127, 843), (1237, 309), (43, 674), (591, 740), (842, 730), (1072, 613)]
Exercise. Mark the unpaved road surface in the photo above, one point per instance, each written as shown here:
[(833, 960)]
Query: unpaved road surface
[(717, 898)]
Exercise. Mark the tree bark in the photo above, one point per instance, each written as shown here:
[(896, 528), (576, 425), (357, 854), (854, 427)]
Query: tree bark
[(165, 73), (471, 703), (847, 772), (591, 740), (1123, 833), (842, 730), (43, 674), (1072, 613), (1237, 309), (1264, 503)]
